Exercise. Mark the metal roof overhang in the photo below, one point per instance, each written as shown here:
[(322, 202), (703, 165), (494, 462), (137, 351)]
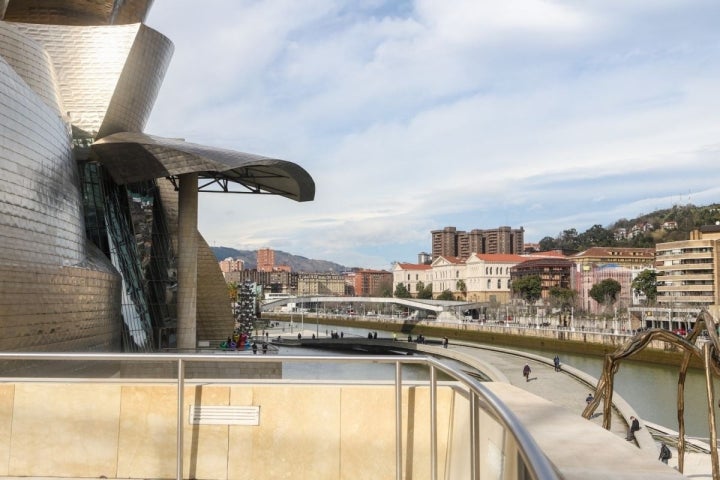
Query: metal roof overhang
[(133, 157)]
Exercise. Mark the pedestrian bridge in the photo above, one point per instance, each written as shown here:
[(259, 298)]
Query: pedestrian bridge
[(397, 306)]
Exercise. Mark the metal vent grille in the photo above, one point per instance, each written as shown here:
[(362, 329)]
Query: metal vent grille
[(224, 415)]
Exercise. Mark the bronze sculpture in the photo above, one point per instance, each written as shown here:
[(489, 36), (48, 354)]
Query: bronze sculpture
[(707, 354)]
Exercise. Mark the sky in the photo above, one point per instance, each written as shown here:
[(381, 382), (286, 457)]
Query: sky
[(412, 116)]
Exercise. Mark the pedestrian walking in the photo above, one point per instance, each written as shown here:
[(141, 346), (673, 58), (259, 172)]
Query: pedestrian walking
[(556, 361), (665, 453), (589, 399), (526, 372), (445, 342), (632, 428)]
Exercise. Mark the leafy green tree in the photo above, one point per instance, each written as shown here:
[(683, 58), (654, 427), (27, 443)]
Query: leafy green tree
[(446, 295), (597, 236), (461, 287), (570, 240), (547, 244), (529, 288), (401, 291), (646, 283), (562, 297), (424, 291), (606, 292)]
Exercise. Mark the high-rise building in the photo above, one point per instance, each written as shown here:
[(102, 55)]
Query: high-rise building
[(231, 265), (689, 270), (99, 248), (265, 260), (450, 242)]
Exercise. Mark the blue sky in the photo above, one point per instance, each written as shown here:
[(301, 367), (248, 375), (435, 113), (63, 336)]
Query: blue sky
[(416, 115)]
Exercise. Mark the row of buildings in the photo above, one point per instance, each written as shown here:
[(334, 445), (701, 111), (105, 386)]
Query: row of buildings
[(359, 282), (688, 273)]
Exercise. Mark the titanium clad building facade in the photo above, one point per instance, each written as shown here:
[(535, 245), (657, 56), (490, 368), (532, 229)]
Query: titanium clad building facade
[(88, 234)]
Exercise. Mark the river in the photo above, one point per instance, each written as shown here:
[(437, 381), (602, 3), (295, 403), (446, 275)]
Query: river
[(650, 389)]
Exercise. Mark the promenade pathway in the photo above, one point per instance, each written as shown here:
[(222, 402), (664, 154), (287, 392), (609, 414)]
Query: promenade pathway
[(567, 389), (558, 387)]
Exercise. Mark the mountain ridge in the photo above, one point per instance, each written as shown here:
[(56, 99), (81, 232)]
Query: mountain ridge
[(297, 263), (688, 217)]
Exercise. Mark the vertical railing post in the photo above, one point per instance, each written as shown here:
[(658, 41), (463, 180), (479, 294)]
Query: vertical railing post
[(433, 423), (180, 424), (398, 421), (474, 457)]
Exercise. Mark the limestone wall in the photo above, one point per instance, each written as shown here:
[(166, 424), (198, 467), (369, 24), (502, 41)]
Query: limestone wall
[(128, 430)]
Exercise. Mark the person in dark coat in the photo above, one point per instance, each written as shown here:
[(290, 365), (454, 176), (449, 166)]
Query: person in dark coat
[(665, 454), (634, 427), (526, 372)]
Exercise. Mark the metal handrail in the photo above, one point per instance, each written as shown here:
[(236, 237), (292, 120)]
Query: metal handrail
[(539, 467)]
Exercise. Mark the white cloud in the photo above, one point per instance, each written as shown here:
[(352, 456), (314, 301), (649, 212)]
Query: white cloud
[(411, 116)]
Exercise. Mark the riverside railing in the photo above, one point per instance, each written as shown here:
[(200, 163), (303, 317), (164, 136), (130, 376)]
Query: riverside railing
[(532, 461)]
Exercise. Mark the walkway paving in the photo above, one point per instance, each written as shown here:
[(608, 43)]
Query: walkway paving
[(565, 389)]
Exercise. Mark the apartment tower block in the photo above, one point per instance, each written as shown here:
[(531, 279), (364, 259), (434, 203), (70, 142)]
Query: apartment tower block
[(454, 243)]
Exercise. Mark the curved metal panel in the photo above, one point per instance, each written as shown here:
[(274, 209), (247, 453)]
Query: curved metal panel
[(40, 205), (30, 61), (75, 12), (139, 84), (133, 157), (56, 292), (89, 62)]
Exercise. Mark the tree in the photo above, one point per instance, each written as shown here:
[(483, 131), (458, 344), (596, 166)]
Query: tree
[(646, 283), (446, 295), (461, 287), (385, 289), (606, 292), (562, 298), (232, 290), (547, 244), (529, 288), (597, 236), (570, 240), (401, 291), (424, 291)]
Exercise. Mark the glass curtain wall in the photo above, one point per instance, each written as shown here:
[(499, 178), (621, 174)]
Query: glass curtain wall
[(129, 226)]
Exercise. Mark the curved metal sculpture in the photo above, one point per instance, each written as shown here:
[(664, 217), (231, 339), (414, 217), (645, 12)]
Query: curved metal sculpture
[(708, 355)]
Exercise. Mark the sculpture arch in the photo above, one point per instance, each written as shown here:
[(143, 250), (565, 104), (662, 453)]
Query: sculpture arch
[(707, 354)]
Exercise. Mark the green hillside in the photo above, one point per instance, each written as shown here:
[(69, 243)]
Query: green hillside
[(688, 217)]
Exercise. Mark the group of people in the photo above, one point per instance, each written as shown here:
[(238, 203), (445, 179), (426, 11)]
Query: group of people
[(236, 341), (241, 341)]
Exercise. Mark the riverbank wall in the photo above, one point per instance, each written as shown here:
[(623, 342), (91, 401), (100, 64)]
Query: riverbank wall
[(554, 341)]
